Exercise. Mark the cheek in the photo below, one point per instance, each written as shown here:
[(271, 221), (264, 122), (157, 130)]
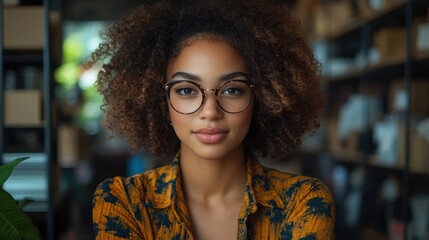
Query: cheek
[(172, 114), (178, 120), (248, 113), (175, 120), (243, 120)]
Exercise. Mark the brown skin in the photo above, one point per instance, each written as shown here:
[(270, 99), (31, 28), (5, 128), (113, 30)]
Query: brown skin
[(214, 174), (288, 98)]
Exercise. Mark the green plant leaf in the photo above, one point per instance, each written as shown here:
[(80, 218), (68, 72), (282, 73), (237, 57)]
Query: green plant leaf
[(6, 170), (14, 224)]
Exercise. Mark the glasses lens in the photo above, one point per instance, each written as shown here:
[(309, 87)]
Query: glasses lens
[(185, 97), (234, 96)]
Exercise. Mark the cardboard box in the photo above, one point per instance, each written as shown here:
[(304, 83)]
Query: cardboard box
[(341, 13), (24, 27), (23, 108), (390, 43), (419, 105), (320, 22), (333, 140), (363, 8), (68, 145), (419, 151)]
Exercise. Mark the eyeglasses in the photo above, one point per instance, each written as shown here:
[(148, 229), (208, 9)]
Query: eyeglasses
[(187, 97)]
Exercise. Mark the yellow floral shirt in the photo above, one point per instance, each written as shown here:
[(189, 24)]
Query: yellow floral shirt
[(151, 205)]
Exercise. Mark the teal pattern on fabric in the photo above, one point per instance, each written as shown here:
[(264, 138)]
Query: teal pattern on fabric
[(276, 205)]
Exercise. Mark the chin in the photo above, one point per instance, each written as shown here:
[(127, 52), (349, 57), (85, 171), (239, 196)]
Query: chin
[(212, 154), (215, 151)]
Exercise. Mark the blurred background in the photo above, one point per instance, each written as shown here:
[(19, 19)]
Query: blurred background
[(372, 148)]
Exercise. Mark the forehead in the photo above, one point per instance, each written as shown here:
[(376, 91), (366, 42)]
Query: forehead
[(206, 57)]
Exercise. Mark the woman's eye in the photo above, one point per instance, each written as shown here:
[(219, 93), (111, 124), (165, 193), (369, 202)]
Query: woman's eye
[(185, 91), (232, 91)]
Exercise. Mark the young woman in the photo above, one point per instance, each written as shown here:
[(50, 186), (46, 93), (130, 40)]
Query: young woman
[(211, 86)]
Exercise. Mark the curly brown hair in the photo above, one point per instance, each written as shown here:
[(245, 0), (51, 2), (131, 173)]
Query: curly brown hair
[(138, 49)]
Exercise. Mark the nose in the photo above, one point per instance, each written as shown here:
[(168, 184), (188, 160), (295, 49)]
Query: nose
[(210, 109)]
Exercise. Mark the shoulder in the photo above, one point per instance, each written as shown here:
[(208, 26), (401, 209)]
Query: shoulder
[(131, 189), (121, 205), (302, 193), (308, 202), (290, 188), (293, 186)]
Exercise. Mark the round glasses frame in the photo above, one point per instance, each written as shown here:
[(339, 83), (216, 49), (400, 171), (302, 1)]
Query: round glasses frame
[(168, 87)]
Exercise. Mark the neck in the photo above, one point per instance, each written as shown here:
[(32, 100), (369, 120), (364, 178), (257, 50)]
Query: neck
[(211, 180)]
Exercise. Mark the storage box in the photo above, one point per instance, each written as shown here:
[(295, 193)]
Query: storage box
[(390, 43), (320, 22), (341, 13), (68, 145), (398, 97), (333, 140), (363, 8), (23, 108), (419, 151), (24, 27)]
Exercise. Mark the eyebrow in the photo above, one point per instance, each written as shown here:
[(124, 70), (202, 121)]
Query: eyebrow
[(223, 78)]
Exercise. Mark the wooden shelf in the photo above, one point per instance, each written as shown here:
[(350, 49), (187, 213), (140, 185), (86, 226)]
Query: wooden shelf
[(373, 161), (348, 157), (390, 67), (24, 126), (357, 158), (356, 23), (344, 156), (349, 45), (422, 56)]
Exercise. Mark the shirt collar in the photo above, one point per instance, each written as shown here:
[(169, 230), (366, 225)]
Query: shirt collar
[(168, 187), (259, 186)]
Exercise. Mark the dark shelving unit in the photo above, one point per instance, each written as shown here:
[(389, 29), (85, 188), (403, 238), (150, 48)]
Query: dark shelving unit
[(38, 170), (350, 39)]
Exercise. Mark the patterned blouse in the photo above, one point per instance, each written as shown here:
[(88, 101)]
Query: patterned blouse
[(151, 205)]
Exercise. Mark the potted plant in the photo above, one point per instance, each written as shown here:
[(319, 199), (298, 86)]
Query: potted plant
[(14, 224)]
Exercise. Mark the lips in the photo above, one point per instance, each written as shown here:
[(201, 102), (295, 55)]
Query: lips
[(211, 135)]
